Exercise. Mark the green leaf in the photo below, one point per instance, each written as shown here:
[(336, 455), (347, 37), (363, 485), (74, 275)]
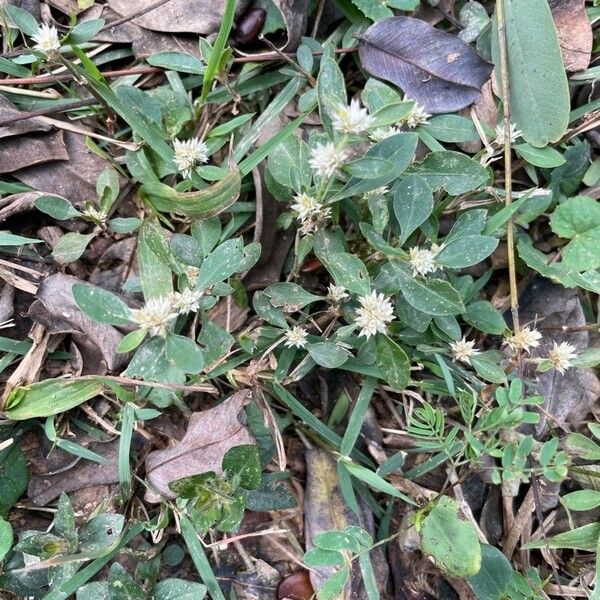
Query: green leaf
[(491, 580), (101, 305), (153, 262), (100, 533), (539, 91), (582, 446), (6, 537), (375, 481), (581, 538), (483, 315), (319, 557), (244, 461), (14, 477), (288, 163), (393, 363), (579, 219), (177, 61), (121, 586), (10, 239), (452, 171), (337, 540), (581, 500), (200, 204), (49, 397), (184, 353), (331, 89), (443, 532), (58, 208), (413, 204), (132, 340), (348, 271), (178, 589), (431, 296), (466, 251), (71, 246), (24, 21), (328, 354), (290, 294), (333, 587), (546, 158), (451, 128), (221, 263)]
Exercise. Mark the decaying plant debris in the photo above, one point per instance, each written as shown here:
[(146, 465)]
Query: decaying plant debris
[(299, 299)]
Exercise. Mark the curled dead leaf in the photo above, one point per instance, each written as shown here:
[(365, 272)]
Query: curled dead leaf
[(574, 33), (210, 434)]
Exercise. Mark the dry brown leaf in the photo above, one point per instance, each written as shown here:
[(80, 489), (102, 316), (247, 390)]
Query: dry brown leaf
[(19, 152), (57, 310), (75, 178), (210, 434), (294, 14), (574, 33), (9, 110), (177, 16)]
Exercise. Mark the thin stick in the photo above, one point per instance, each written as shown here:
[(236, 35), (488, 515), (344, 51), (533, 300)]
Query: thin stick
[(510, 241)]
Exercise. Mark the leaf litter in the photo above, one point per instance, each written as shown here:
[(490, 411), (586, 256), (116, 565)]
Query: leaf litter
[(294, 374)]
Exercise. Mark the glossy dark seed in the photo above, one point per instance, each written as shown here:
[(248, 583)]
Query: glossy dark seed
[(249, 26)]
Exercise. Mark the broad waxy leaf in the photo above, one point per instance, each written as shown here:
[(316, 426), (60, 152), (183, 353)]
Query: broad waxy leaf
[(413, 203), (49, 397), (101, 305), (198, 205), (539, 92), (393, 362), (444, 532), (436, 69)]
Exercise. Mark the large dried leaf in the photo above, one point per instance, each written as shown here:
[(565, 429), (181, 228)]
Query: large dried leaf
[(574, 32), (185, 16), (7, 111), (210, 434), (294, 14), (74, 179), (19, 152), (435, 68), (57, 310)]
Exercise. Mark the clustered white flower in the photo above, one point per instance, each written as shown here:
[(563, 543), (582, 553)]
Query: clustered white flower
[(374, 313), (561, 355), (524, 340), (417, 116), (515, 134), (155, 315), (326, 159), (336, 293), (380, 191), (463, 350), (382, 133), (188, 154), (158, 313), (311, 213), (422, 260), (46, 39), (296, 337), (351, 119)]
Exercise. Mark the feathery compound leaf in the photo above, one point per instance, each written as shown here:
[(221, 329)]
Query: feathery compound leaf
[(436, 69)]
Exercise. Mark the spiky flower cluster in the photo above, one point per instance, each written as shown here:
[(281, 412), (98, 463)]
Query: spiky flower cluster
[(296, 337), (351, 119), (46, 39), (311, 213), (188, 154), (562, 355), (382, 133), (422, 260), (463, 350), (336, 293), (374, 313), (326, 159), (515, 134), (417, 116), (524, 340)]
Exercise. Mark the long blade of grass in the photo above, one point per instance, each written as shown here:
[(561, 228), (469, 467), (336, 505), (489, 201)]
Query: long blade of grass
[(358, 416), (127, 424)]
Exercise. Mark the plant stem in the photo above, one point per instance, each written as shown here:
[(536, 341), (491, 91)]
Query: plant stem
[(510, 242)]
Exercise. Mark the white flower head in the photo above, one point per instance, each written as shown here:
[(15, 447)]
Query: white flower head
[(463, 350), (305, 206), (351, 119), (296, 337), (375, 312), (515, 134), (155, 315), (561, 356), (417, 116), (326, 159), (382, 133), (422, 260), (336, 293), (188, 154), (186, 301), (46, 39), (524, 340), (380, 191)]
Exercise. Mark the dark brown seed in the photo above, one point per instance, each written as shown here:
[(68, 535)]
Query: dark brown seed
[(249, 26)]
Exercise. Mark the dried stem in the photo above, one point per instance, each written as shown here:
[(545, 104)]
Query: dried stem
[(510, 242)]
